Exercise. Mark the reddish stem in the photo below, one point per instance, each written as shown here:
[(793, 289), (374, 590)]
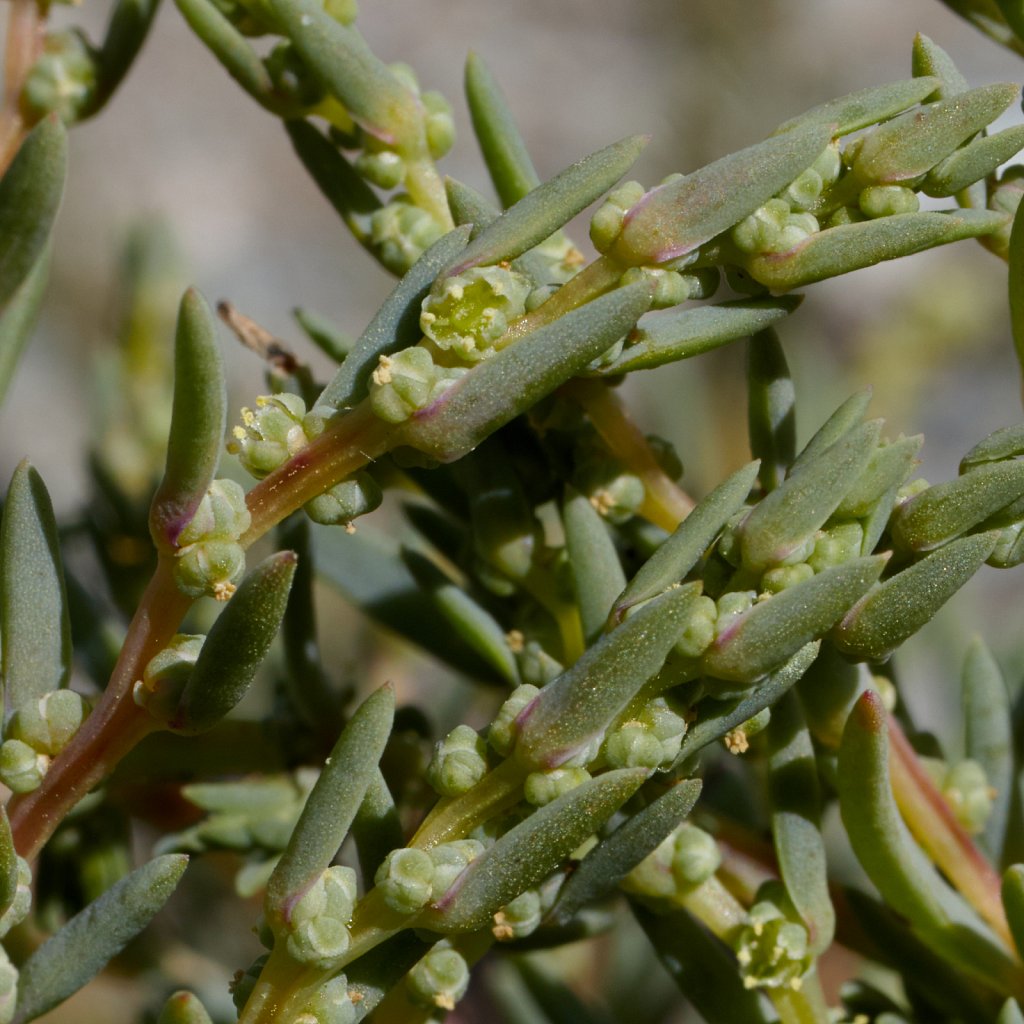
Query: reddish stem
[(26, 30)]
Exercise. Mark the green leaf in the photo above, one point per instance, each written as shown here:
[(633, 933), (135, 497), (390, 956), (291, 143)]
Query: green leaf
[(30, 192), (71, 957), (1005, 443), (473, 623), (988, 737), (911, 145), (678, 217), (339, 57), (236, 646), (129, 24), (327, 337), (345, 190), (681, 551), (865, 107), (553, 996), (332, 805), (899, 607), (8, 864), (1010, 1013), (1015, 279), (183, 1008), (376, 828), (19, 317), (469, 207), (795, 798), (703, 968), (838, 425), (197, 422), (381, 970), (849, 247), (929, 58), (1013, 903), (504, 151), (233, 51), (604, 867), (530, 851), (550, 206), (718, 717), (973, 162), (578, 706), (946, 510), (594, 561), (35, 632), (785, 520), (767, 634), (887, 469), (517, 377), (682, 332), (771, 408), (396, 325), (904, 876)]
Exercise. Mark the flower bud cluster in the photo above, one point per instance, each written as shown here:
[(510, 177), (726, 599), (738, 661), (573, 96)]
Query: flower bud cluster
[(519, 918), (408, 381), (501, 733), (401, 232), (459, 762), (317, 929), (439, 980), (209, 560), (63, 80), (411, 878), (966, 789), (651, 739), (164, 677), (35, 733), (682, 861), (273, 432), (772, 948)]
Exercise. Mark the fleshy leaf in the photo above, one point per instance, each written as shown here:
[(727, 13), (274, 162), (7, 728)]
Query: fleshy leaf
[(682, 332), (1005, 443), (517, 377), (795, 798), (531, 850), (30, 192), (603, 868), (894, 862), (848, 247), (327, 337), (34, 627), (786, 518), (469, 207), (236, 646), (584, 700), (197, 422), (8, 864), (973, 162), (1015, 279), (183, 1008), (888, 468), (395, 326), (675, 218), (767, 634), (332, 805), (1013, 903), (865, 107), (684, 548), (376, 828), (541, 212), (1010, 1013), (946, 510), (504, 151), (19, 317), (129, 24), (71, 957), (899, 607), (838, 425), (929, 58), (771, 408), (594, 562)]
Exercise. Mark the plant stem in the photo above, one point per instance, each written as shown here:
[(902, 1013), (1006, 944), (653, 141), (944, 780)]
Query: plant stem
[(805, 1005), (26, 28)]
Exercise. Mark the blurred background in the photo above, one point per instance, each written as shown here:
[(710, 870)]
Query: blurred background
[(181, 143)]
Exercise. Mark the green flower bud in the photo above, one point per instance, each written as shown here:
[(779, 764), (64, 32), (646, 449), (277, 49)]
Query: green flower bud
[(771, 949), (803, 192), (212, 568), (406, 382), (1009, 549), (845, 215), (47, 724), (606, 223), (21, 767), (384, 169), (405, 880), (737, 741), (798, 228), (502, 731), (450, 860), (63, 79), (164, 677), (699, 631), (783, 576), (695, 856), (536, 666), (473, 310), (887, 200), (541, 788), (243, 983), (671, 288), (22, 902), (633, 745), (439, 980), (8, 988), (222, 515), (273, 433), (729, 605), (345, 501), (519, 918), (400, 232), (331, 1004), (291, 78), (966, 789), (1005, 198), (438, 123), (318, 924), (459, 762), (829, 164), (835, 545), (760, 231)]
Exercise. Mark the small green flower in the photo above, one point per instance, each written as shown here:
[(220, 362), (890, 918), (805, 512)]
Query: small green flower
[(22, 902), (760, 231), (699, 631), (459, 762), (408, 381), (346, 501), (63, 79), (273, 432), (331, 1004), (317, 932), (782, 576), (501, 733), (164, 677), (383, 168), (400, 232), (695, 856), (519, 918), (966, 789), (438, 123), (450, 860), (209, 560), (836, 544), (21, 767), (737, 741), (771, 949), (405, 880), (541, 788), (887, 200), (439, 980), (607, 221), (48, 724)]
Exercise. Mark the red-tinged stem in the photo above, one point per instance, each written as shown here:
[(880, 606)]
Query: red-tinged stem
[(665, 503), (943, 838), (26, 29)]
